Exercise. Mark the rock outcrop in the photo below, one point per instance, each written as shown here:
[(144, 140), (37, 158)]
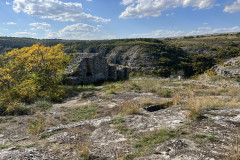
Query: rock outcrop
[(231, 68), (91, 68)]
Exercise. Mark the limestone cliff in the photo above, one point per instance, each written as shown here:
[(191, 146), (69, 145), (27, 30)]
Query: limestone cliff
[(230, 68)]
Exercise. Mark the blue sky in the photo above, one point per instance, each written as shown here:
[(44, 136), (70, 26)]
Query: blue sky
[(110, 19)]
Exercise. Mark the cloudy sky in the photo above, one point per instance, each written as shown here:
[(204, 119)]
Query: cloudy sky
[(110, 19)]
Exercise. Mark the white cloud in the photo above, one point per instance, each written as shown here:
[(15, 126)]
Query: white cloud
[(170, 14), (79, 31), (145, 8), (11, 23), (159, 33), (233, 7), (127, 2), (174, 33), (7, 3), (24, 34), (39, 26), (209, 30), (55, 9)]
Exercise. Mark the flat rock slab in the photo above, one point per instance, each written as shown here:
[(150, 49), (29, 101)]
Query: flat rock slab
[(170, 118), (226, 117), (109, 143), (26, 154), (181, 149), (93, 122)]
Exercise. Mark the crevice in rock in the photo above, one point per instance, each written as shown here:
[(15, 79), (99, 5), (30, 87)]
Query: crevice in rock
[(154, 108)]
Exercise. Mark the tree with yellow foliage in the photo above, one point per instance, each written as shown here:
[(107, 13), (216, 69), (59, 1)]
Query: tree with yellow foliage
[(31, 72)]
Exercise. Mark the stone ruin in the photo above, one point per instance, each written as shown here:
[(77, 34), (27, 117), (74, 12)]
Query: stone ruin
[(89, 68)]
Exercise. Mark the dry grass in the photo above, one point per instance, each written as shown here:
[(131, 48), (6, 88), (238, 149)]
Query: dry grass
[(150, 85), (198, 105), (234, 153), (232, 91), (129, 108), (233, 103), (177, 98), (83, 152)]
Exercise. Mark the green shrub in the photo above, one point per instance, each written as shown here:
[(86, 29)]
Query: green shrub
[(134, 86), (43, 105), (17, 109), (3, 109)]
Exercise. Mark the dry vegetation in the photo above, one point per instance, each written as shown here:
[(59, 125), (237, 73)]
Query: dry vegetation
[(195, 97)]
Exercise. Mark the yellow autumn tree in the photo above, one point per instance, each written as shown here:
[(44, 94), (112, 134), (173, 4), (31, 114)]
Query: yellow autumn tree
[(32, 72)]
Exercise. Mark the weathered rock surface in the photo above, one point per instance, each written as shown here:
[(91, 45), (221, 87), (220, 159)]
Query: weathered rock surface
[(27, 154), (226, 117), (130, 55), (231, 68), (108, 139)]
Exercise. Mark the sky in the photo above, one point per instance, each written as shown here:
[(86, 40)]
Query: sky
[(117, 19)]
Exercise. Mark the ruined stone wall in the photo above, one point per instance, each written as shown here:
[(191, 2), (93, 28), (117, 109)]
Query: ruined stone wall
[(112, 72), (100, 68), (91, 68)]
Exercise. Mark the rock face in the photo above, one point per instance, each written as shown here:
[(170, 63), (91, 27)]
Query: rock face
[(230, 68), (90, 68)]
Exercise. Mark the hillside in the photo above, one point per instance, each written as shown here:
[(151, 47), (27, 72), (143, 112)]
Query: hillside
[(208, 44), (162, 57)]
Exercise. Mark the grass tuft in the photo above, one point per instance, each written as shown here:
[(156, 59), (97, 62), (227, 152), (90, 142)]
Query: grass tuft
[(83, 152), (37, 125), (129, 108), (43, 105), (84, 113)]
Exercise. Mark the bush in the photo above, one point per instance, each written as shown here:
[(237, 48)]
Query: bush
[(32, 72), (17, 109), (3, 109)]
